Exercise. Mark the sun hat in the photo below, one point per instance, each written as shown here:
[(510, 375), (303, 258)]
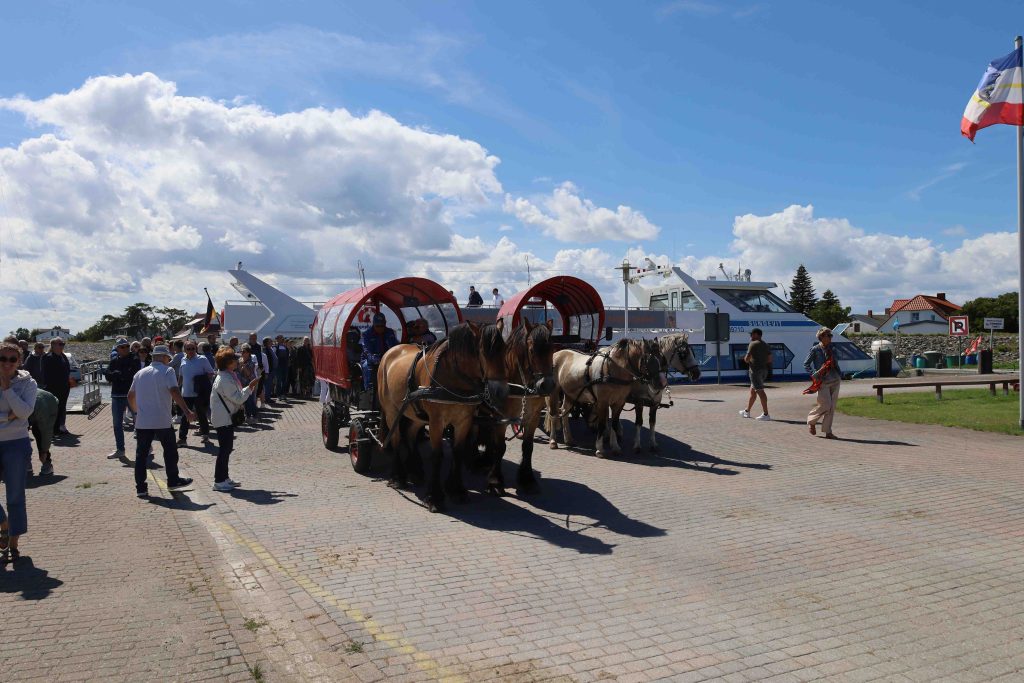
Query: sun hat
[(121, 341), (160, 350)]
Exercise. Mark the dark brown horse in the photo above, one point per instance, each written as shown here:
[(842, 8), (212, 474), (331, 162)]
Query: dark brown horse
[(439, 387), (529, 367)]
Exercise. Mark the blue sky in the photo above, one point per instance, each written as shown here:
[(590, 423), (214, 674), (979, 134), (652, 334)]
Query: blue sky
[(691, 112)]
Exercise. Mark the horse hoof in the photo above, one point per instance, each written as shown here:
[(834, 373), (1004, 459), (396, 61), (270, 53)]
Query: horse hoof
[(600, 454), (528, 489), (397, 485), (655, 449), (554, 445), (435, 506)]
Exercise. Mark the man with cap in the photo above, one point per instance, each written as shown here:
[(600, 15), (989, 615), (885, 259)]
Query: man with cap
[(377, 339), (120, 373), (152, 391)]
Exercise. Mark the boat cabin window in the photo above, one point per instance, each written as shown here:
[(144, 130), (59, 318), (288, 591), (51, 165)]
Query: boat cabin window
[(754, 300), (675, 300), (659, 302)]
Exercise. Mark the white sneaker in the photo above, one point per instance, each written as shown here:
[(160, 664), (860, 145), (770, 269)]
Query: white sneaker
[(223, 486), (744, 413), (234, 484), (763, 417), (119, 453), (176, 420)]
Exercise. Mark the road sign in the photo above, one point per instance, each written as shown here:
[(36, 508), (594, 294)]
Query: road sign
[(716, 327), (993, 323), (959, 326)]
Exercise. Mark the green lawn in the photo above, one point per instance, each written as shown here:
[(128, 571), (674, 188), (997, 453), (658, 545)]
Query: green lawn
[(970, 408)]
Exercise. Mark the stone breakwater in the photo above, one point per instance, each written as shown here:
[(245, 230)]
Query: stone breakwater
[(1004, 345)]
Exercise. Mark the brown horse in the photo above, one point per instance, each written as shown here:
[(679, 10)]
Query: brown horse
[(438, 387), (528, 361), (601, 382)]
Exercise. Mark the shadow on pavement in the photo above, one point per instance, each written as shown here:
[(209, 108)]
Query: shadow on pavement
[(500, 514), (180, 501), (568, 498), (24, 577), (260, 496), (44, 480), (67, 440)]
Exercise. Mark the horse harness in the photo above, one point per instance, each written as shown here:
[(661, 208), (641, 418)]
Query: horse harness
[(603, 378)]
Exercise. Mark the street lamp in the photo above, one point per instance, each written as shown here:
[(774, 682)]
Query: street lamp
[(625, 268)]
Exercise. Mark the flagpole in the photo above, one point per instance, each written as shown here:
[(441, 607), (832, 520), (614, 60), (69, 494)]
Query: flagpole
[(1020, 254)]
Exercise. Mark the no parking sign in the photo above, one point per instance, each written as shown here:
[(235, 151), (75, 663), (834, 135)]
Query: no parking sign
[(959, 326)]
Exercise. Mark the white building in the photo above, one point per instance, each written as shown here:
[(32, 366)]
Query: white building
[(922, 314), (53, 333)]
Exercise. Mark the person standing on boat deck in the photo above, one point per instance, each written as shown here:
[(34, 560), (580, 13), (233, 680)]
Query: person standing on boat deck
[(228, 397), (820, 355), (33, 365), (759, 362), (475, 299), (57, 380), (150, 396), (120, 373), (196, 378), (17, 401), (496, 300)]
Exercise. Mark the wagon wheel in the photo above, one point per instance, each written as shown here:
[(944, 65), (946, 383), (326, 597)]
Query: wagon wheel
[(329, 427), (360, 446)]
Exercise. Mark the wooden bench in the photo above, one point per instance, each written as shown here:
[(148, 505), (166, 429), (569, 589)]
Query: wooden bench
[(879, 388)]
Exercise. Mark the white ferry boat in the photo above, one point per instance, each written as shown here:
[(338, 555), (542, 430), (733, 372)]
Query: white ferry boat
[(670, 299)]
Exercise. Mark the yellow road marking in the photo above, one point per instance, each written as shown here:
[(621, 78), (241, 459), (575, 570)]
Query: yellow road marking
[(377, 630)]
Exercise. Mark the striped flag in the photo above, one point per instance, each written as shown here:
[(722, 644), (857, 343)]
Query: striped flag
[(999, 97), (210, 313)]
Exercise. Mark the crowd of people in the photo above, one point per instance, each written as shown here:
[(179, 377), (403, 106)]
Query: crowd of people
[(154, 386)]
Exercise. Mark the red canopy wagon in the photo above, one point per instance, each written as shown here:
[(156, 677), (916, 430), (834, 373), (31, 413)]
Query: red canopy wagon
[(402, 301), (574, 305)]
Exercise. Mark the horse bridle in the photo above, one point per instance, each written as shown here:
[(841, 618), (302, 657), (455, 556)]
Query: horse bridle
[(678, 349)]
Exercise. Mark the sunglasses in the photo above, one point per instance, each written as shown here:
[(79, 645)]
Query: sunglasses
[(9, 359), (58, 343)]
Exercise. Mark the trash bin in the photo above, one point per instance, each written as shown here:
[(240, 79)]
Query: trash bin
[(934, 359), (985, 362), (920, 362), (970, 359), (883, 363), (951, 361)]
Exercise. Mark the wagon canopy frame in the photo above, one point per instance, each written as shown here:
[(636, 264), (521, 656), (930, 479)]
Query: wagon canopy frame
[(577, 303), (405, 299)]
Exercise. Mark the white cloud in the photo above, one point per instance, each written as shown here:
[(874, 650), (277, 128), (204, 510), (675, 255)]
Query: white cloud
[(127, 176), (570, 218), (866, 269), (955, 231)]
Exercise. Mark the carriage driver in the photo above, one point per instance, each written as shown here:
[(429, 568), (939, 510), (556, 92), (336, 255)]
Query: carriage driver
[(376, 340)]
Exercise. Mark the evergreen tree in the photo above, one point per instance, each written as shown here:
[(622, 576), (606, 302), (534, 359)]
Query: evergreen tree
[(801, 292), (829, 311)]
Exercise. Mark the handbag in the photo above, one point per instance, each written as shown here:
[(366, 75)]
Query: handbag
[(237, 417)]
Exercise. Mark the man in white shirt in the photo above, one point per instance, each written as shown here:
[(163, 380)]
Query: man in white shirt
[(153, 390), (496, 299)]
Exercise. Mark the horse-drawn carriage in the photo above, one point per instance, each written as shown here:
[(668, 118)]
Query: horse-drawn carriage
[(336, 334), (579, 322)]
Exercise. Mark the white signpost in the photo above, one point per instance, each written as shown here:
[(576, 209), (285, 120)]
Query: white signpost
[(992, 324)]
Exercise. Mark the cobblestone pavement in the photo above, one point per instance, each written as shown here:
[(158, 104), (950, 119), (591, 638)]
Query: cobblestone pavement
[(744, 551)]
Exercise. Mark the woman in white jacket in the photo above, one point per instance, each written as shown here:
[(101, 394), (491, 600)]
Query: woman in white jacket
[(228, 396), (17, 401)]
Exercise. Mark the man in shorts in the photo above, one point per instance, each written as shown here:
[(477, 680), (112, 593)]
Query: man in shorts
[(759, 362)]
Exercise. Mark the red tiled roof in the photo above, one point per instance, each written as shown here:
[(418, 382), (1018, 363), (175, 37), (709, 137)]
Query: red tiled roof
[(922, 302)]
